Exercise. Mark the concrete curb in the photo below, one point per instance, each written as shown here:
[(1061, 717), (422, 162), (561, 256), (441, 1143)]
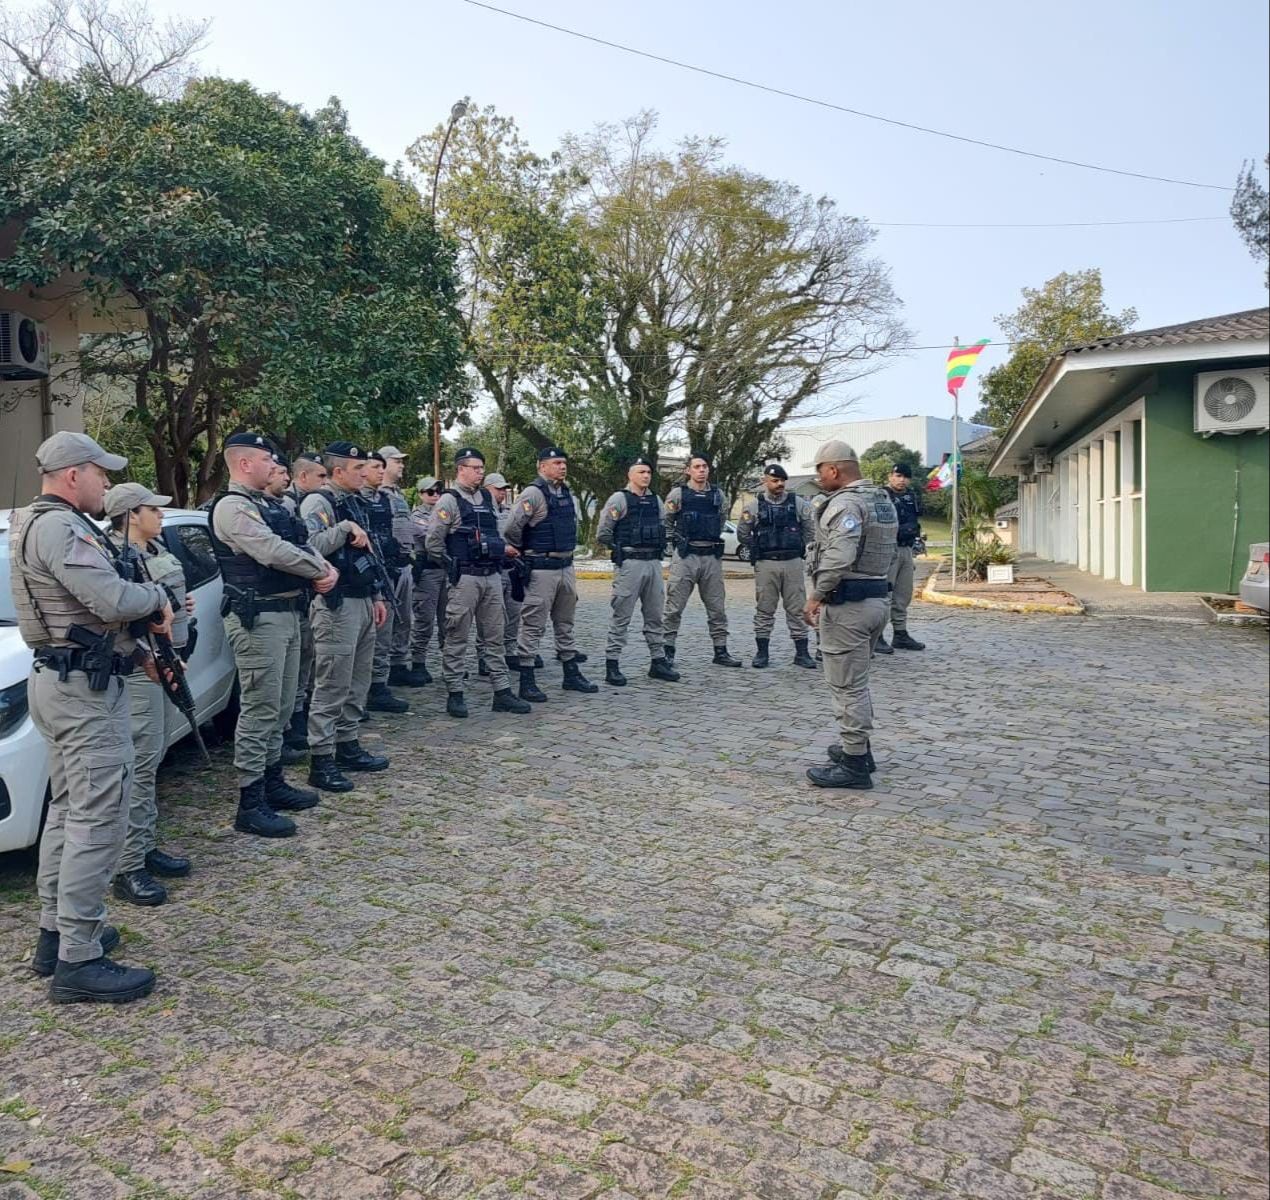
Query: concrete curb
[(933, 595)]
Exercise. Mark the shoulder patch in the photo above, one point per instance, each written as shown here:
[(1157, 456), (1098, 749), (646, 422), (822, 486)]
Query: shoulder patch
[(527, 505), (442, 513), (615, 512), (850, 523)]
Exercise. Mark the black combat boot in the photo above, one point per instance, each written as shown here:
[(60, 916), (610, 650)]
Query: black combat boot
[(482, 667), (454, 705), (761, 659), (901, 639), (296, 734), (421, 672), (851, 772), (575, 681), (663, 669), (291, 756), (538, 663), (839, 755), (723, 659), (380, 699), (282, 797), (513, 662), (99, 979), (324, 774), (883, 646), (529, 689), (160, 862), (401, 675), (578, 657), (668, 652), (255, 815), (139, 887), (349, 756), (504, 701), (44, 960), (613, 673), (801, 657)]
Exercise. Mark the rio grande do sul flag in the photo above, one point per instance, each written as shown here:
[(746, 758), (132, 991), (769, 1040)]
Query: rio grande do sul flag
[(942, 475), (961, 360)]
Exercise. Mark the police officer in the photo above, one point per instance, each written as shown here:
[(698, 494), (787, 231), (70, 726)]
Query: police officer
[(75, 611), (544, 525), (344, 621), (908, 507), (307, 475), (430, 584), (400, 671), (464, 533), (633, 527), (695, 514), (267, 566), (851, 559), (136, 518), (777, 527), (513, 584), (380, 514)]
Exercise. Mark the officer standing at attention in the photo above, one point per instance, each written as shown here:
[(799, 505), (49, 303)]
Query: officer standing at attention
[(136, 519), (908, 507), (430, 584), (695, 514), (308, 475), (344, 621), (633, 527), (464, 534), (267, 566), (400, 672), (75, 611), (851, 559), (777, 527), (500, 489), (379, 512)]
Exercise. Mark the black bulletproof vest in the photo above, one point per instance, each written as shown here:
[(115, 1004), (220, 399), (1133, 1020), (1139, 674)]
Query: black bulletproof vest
[(475, 541), (379, 508), (557, 532), (358, 577), (700, 514), (243, 571), (641, 527), (907, 511), (778, 530)]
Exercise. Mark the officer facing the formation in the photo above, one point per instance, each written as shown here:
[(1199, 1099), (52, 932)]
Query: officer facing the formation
[(513, 583), (379, 513), (464, 534), (695, 514), (344, 621), (308, 475), (633, 527), (908, 508), (77, 613), (544, 526), (430, 585), (136, 519), (777, 527), (268, 568), (851, 559)]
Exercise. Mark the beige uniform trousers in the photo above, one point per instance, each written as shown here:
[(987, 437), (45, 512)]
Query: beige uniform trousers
[(638, 581), (551, 594), (901, 577), (392, 638), (344, 656), (429, 612), (705, 573), (147, 711), (268, 660), (780, 582), (848, 633), (304, 683), (474, 600)]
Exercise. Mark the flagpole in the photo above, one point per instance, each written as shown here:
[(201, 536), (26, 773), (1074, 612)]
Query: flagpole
[(956, 523)]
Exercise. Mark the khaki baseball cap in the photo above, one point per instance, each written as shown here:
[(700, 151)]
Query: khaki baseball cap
[(836, 450), (391, 452), (67, 449), (494, 479), (124, 497), (424, 482)]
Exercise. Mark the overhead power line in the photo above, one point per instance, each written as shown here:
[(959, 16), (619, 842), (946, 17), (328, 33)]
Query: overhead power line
[(842, 108)]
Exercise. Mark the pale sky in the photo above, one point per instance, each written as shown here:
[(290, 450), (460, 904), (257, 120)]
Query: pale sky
[(1153, 86)]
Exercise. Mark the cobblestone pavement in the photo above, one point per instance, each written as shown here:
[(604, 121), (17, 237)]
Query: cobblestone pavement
[(623, 950)]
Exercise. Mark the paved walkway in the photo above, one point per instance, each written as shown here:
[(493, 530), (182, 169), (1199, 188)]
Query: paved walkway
[(1107, 598), (622, 950)]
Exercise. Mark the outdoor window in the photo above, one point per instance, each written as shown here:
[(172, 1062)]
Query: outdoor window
[(191, 544)]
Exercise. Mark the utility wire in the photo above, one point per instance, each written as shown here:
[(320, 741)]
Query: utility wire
[(842, 108)]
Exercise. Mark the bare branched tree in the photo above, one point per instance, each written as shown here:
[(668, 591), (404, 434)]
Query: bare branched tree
[(120, 41)]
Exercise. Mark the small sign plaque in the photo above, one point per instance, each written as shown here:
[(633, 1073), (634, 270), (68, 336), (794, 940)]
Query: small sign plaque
[(1001, 573)]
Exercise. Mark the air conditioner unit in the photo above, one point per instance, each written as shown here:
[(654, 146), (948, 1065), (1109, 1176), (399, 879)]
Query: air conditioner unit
[(1042, 464), (1232, 402), (24, 347)]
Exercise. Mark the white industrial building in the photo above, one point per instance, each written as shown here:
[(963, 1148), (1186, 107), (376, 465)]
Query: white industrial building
[(931, 437)]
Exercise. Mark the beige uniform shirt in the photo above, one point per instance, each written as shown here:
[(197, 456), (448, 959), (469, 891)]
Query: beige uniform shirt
[(529, 510), (326, 534), (446, 516), (839, 528), (615, 508), (749, 518), (237, 522)]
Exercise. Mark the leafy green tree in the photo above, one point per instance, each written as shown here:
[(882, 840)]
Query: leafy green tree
[(876, 462), (1069, 310), (1250, 211)]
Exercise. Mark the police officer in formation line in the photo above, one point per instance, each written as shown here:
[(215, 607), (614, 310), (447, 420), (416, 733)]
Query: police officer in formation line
[(344, 621), (695, 514), (463, 532), (850, 565), (78, 613), (268, 569), (543, 525), (633, 527), (136, 519), (307, 475), (908, 508), (500, 489), (401, 672), (777, 527), (430, 584), (382, 530)]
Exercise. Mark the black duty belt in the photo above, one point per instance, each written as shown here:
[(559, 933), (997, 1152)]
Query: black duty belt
[(779, 556), (640, 555), (851, 590), (479, 568), (71, 658), (281, 604), (544, 562), (714, 550)]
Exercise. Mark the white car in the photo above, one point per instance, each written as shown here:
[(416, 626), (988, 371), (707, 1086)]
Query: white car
[(24, 779), (732, 547), (1254, 587)]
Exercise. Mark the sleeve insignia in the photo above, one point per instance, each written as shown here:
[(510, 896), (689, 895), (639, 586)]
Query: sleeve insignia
[(615, 513), (850, 523), (443, 515), (527, 506)]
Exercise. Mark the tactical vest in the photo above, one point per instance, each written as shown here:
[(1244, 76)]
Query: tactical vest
[(163, 567), (909, 515), (359, 577), (700, 514), (641, 526), (876, 549), (778, 532), (474, 543), (46, 610), (244, 572), (557, 532)]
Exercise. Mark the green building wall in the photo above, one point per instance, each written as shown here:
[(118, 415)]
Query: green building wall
[(1207, 499)]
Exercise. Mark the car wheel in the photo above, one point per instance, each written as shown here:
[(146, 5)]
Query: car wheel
[(743, 554)]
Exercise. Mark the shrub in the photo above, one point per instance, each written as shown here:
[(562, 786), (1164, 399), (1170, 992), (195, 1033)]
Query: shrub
[(975, 557)]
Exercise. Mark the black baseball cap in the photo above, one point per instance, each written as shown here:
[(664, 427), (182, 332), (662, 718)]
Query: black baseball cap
[(346, 450), (775, 471), (903, 469), (467, 452)]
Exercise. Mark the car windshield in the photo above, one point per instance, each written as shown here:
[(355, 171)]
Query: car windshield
[(7, 614)]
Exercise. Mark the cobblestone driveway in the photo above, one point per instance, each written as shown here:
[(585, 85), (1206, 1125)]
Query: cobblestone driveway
[(625, 951)]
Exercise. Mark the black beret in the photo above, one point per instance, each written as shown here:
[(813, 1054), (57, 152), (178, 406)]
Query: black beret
[(281, 459), (308, 456), (375, 456), (551, 452), (346, 450), (467, 452), (903, 469), (705, 458), (641, 461), (776, 471), (256, 441)]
